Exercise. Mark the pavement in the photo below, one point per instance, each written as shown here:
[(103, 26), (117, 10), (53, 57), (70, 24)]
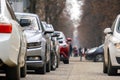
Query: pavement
[(76, 70)]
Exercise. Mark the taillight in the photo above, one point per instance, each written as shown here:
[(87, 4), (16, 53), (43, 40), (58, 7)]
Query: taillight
[(5, 28)]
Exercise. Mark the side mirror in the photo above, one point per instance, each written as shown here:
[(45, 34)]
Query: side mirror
[(108, 31), (25, 22)]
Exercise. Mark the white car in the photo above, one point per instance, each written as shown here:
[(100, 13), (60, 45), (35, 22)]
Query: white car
[(12, 44), (112, 48)]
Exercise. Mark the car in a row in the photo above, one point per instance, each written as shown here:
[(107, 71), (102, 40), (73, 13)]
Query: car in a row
[(64, 47), (12, 44), (111, 62), (95, 54), (41, 53), (45, 47), (27, 43)]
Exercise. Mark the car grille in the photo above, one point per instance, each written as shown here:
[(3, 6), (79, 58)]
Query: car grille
[(33, 45)]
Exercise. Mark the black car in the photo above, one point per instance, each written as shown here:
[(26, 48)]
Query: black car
[(95, 54)]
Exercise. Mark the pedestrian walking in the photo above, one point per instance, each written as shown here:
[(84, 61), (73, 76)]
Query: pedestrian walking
[(70, 49), (83, 51), (69, 41), (80, 53), (75, 51)]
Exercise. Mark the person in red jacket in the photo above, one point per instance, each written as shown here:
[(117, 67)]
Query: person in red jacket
[(75, 51)]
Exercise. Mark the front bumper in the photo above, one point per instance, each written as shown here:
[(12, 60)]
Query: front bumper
[(35, 63), (115, 56)]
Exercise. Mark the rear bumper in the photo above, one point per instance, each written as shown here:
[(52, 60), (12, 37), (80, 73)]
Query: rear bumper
[(9, 53), (64, 53), (63, 58)]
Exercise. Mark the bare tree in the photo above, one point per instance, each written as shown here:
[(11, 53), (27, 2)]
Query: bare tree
[(97, 14), (32, 7)]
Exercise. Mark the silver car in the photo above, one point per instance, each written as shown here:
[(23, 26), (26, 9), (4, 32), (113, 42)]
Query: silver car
[(38, 50), (54, 49)]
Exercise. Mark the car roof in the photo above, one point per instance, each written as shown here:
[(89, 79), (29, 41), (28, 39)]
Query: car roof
[(29, 14)]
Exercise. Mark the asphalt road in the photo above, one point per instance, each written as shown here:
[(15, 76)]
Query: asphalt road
[(76, 70)]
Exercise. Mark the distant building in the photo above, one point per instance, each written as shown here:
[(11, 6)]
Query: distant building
[(20, 5)]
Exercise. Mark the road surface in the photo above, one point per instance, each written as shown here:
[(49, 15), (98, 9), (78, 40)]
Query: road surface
[(76, 70)]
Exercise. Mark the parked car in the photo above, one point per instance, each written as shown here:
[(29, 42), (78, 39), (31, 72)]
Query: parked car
[(95, 54), (64, 47), (12, 44), (112, 48), (54, 49), (38, 48), (53, 56)]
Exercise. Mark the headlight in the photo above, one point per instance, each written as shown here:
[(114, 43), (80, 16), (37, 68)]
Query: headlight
[(34, 45), (117, 45)]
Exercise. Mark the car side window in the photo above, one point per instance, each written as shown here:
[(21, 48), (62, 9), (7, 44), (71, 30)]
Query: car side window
[(118, 26)]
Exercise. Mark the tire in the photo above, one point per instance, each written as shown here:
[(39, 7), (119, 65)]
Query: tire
[(13, 73), (111, 70), (41, 70), (23, 71), (98, 58), (48, 66), (104, 67), (66, 61), (54, 62)]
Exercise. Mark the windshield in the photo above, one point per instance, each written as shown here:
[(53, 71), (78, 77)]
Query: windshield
[(33, 25)]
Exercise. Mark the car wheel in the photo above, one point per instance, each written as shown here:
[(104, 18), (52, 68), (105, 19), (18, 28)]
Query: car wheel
[(104, 67), (66, 61), (54, 63), (41, 70), (98, 58), (23, 71), (111, 69), (13, 73), (48, 66)]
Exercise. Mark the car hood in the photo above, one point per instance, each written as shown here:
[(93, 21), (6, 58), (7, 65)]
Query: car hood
[(33, 35), (91, 50)]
